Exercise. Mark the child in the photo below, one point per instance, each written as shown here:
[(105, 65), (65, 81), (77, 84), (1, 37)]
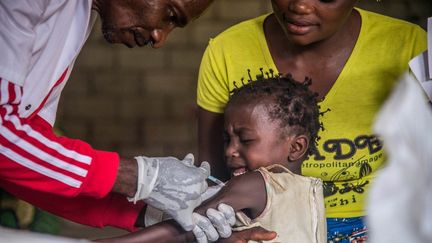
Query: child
[(271, 126)]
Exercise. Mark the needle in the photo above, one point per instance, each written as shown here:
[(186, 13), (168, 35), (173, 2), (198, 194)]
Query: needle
[(216, 180)]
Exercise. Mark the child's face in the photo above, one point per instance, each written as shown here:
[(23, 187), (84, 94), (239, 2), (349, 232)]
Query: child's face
[(308, 21), (252, 140)]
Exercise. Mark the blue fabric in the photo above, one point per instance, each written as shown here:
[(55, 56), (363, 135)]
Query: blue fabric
[(346, 230)]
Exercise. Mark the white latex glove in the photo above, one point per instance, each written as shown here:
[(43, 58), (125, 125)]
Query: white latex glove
[(222, 219), (204, 231), (218, 224), (210, 192), (153, 215), (172, 185)]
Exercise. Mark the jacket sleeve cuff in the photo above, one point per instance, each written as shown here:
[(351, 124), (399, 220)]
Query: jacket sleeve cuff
[(123, 214), (102, 174)]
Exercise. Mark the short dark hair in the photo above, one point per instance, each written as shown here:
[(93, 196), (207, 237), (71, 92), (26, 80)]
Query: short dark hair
[(290, 102)]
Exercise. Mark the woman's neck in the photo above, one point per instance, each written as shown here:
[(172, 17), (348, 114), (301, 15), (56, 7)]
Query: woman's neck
[(322, 61)]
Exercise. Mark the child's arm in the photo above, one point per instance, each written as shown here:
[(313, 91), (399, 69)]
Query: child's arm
[(164, 232), (246, 192)]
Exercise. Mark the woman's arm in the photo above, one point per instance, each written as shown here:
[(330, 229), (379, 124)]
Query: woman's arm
[(256, 234), (171, 232), (210, 142)]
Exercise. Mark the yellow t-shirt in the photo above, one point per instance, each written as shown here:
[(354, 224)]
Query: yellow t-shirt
[(349, 153)]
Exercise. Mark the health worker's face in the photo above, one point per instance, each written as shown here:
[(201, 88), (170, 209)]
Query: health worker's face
[(252, 139), (142, 22), (308, 21)]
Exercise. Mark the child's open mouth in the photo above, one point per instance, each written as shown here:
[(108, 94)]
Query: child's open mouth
[(239, 171)]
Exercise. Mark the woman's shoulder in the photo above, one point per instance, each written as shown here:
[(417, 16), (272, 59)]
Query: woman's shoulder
[(377, 20), (379, 30)]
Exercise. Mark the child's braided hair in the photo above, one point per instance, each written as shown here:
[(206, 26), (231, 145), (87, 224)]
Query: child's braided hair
[(290, 102)]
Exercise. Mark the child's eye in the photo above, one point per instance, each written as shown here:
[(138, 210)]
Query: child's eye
[(226, 138), (246, 140), (172, 17), (327, 1)]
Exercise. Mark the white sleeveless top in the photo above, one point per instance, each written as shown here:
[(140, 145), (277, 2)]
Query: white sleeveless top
[(295, 208)]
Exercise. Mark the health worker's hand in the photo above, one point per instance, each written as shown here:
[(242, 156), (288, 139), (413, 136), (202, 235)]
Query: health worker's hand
[(217, 224), (172, 185)]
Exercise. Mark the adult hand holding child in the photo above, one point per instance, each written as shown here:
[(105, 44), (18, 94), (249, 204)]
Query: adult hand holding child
[(173, 186)]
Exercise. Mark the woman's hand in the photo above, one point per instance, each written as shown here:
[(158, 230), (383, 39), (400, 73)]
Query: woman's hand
[(256, 234)]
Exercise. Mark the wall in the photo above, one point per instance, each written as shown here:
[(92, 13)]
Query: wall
[(142, 101)]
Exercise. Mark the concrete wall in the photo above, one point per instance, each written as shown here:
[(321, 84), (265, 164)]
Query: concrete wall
[(142, 101)]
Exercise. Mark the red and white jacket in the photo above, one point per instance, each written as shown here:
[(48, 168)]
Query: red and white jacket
[(39, 42)]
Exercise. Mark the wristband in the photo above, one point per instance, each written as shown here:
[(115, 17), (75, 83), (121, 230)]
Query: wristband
[(147, 175)]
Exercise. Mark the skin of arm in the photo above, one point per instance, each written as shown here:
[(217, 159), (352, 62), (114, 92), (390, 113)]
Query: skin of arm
[(210, 142), (164, 232), (126, 184), (255, 234), (246, 192), (126, 181)]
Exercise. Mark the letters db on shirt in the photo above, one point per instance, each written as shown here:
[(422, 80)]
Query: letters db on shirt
[(421, 65)]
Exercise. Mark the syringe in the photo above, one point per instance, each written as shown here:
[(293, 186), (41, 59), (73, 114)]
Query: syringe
[(216, 180)]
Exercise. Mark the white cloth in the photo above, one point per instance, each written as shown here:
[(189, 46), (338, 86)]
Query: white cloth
[(399, 204), (39, 39)]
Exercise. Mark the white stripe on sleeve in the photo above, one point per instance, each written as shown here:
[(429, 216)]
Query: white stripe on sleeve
[(4, 91), (44, 156), (42, 139), (40, 169), (18, 94)]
